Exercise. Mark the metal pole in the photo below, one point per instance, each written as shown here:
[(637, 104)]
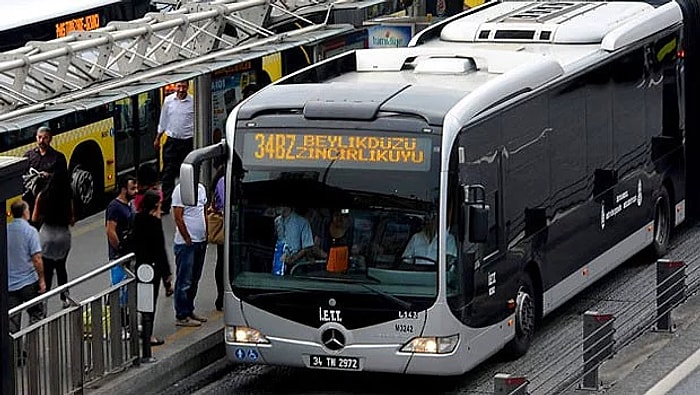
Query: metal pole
[(7, 369), (202, 120)]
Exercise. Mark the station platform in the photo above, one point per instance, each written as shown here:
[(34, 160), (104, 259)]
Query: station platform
[(186, 349)]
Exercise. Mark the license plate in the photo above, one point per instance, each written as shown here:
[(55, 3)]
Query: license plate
[(334, 362)]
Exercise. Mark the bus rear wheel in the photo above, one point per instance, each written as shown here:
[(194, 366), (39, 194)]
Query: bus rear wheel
[(662, 224), (525, 319), (83, 183)]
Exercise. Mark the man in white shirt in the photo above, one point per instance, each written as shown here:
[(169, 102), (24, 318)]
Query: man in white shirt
[(425, 244), (177, 122), (190, 247)]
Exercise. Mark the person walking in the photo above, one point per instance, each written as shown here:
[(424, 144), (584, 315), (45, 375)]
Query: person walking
[(149, 248), (55, 211), (177, 122), (190, 249), (218, 204), (45, 161), (25, 268)]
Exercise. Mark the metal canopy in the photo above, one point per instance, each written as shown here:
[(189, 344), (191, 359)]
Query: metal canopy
[(124, 53), (110, 91)]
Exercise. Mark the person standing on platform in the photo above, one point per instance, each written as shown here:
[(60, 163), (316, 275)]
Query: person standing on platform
[(190, 249), (55, 211), (146, 180), (177, 122), (118, 220), (25, 274), (149, 249), (45, 161), (218, 203)]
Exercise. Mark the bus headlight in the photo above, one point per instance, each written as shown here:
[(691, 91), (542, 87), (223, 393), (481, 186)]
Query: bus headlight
[(431, 345), (243, 334)]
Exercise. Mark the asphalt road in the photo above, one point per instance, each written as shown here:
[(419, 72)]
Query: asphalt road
[(551, 365)]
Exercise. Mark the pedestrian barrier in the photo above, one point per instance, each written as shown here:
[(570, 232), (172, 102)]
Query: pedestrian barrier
[(77, 346), (670, 291), (578, 364), (507, 384), (598, 342)]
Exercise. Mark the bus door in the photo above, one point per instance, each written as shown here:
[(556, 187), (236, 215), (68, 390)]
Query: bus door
[(136, 121)]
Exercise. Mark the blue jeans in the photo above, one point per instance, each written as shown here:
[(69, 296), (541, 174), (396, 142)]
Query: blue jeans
[(189, 261)]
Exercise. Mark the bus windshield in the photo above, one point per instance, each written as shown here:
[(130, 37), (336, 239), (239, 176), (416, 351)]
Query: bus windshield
[(336, 212)]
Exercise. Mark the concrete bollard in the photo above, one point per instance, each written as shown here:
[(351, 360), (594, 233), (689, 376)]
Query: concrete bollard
[(598, 341), (507, 384), (670, 291)]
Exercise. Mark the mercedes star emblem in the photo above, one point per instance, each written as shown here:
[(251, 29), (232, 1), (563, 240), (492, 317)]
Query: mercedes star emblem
[(333, 339)]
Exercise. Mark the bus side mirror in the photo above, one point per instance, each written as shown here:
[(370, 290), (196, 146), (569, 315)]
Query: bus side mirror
[(189, 170), (188, 184), (478, 224)]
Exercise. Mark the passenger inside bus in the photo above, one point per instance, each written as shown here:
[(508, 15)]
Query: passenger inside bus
[(294, 231), (338, 241), (423, 246)]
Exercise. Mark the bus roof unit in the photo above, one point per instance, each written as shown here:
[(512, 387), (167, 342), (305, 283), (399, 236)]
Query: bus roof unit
[(486, 56)]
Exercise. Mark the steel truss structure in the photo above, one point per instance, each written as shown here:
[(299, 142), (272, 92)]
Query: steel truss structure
[(122, 53)]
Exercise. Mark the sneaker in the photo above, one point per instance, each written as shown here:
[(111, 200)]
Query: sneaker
[(66, 304), (148, 360), (126, 335), (198, 317), (188, 322)]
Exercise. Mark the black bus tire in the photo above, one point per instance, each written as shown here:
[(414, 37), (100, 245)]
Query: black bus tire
[(85, 188), (662, 224), (525, 319)]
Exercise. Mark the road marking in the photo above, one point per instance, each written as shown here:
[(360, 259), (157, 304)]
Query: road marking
[(676, 375)]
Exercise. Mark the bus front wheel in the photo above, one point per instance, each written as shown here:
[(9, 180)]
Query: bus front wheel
[(525, 319)]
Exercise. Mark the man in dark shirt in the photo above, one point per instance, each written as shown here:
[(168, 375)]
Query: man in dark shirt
[(118, 222), (45, 160), (118, 217)]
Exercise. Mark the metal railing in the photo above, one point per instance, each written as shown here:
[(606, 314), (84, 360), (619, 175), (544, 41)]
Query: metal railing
[(81, 344), (604, 334)]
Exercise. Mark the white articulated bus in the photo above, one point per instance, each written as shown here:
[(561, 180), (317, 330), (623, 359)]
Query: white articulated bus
[(455, 191)]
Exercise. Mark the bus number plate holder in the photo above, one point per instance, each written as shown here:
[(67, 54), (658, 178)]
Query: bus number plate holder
[(334, 362)]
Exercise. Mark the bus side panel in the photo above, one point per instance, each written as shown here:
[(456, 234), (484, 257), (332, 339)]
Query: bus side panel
[(691, 90)]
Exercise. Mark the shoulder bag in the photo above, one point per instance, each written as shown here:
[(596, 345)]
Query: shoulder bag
[(215, 225)]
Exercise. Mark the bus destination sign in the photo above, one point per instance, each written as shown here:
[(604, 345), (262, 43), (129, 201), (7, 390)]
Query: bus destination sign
[(81, 23), (357, 151)]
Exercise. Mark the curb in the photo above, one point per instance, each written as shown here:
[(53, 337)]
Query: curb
[(187, 355)]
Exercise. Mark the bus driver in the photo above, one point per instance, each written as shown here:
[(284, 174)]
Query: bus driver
[(423, 244)]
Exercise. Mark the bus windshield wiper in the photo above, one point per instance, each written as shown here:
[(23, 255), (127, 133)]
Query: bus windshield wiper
[(286, 291)]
